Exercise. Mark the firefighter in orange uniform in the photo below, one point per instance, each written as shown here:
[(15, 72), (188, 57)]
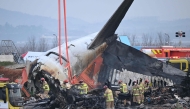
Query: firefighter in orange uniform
[(136, 93), (109, 98)]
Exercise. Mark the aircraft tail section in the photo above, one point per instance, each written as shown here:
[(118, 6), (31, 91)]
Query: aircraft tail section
[(110, 27)]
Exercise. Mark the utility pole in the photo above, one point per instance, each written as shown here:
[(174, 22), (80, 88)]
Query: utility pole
[(56, 39), (168, 38)]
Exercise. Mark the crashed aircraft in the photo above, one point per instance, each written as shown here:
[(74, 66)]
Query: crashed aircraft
[(98, 58)]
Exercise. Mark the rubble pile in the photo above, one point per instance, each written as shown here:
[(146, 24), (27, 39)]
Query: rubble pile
[(159, 98)]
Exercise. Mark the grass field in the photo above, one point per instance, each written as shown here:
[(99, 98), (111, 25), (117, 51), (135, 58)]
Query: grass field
[(6, 63)]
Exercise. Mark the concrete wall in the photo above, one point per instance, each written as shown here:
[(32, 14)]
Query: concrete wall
[(6, 58)]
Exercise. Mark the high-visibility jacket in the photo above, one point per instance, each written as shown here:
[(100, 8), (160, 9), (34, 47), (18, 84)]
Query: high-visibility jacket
[(146, 87), (141, 87), (150, 84), (83, 88), (123, 88), (136, 90), (109, 95), (46, 87)]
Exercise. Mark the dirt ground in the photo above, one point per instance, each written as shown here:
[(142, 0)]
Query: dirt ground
[(12, 74)]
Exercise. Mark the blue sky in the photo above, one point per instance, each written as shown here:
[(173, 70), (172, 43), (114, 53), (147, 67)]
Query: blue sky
[(101, 10)]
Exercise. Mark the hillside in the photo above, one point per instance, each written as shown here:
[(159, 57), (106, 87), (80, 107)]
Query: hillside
[(18, 26)]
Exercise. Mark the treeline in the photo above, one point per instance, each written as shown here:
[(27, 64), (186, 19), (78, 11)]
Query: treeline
[(161, 39), (43, 44), (37, 45)]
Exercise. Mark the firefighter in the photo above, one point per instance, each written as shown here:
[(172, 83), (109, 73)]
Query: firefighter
[(146, 86), (123, 89), (83, 87), (109, 98), (66, 84), (141, 87), (46, 88), (136, 93)]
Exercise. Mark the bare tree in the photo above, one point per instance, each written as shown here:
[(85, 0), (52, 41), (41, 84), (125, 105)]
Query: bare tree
[(161, 39), (43, 45), (23, 48), (156, 42), (133, 39), (54, 43), (150, 41), (31, 44), (147, 40)]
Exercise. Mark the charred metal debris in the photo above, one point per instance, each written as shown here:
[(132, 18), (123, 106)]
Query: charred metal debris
[(166, 97)]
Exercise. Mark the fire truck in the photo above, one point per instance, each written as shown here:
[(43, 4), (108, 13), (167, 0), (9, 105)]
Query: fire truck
[(10, 94), (178, 57)]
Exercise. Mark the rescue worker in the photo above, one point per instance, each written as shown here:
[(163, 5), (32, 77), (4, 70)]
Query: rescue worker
[(83, 87), (123, 89), (146, 86), (136, 93), (46, 88), (109, 98), (66, 84), (141, 87)]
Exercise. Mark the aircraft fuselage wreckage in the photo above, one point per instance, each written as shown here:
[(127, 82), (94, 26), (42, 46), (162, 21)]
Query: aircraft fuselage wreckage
[(96, 59)]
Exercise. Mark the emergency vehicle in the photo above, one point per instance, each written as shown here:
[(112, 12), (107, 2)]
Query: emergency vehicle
[(180, 63), (10, 95), (178, 57)]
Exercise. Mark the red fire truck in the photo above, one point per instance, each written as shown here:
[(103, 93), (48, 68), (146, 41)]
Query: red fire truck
[(167, 52), (178, 57)]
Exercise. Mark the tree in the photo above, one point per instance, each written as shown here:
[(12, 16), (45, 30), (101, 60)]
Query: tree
[(147, 40), (43, 45), (132, 39), (23, 48), (54, 43), (161, 39), (32, 46)]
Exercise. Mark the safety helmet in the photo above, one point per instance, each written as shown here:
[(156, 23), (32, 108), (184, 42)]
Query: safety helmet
[(81, 81), (65, 81), (105, 87), (120, 82), (42, 79), (146, 81)]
